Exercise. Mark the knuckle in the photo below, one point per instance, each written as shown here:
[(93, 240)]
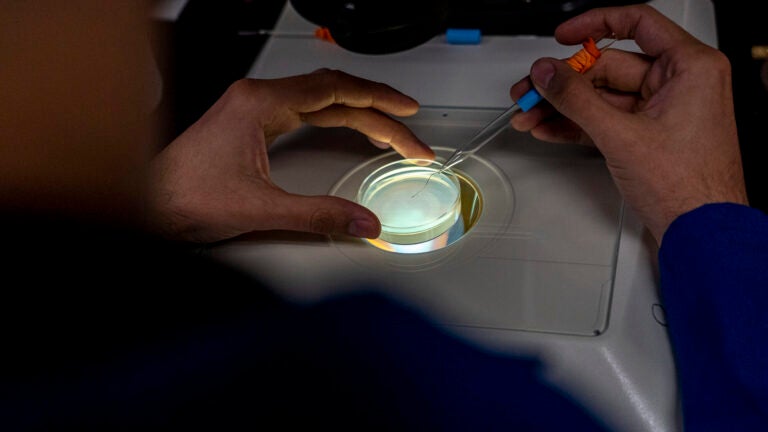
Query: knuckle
[(645, 8), (242, 90), (720, 62), (329, 74), (710, 60), (240, 86)]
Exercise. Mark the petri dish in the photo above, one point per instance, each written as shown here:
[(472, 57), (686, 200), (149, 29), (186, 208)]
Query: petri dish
[(485, 213), (414, 200)]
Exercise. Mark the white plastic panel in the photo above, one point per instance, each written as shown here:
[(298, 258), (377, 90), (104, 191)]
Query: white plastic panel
[(548, 267)]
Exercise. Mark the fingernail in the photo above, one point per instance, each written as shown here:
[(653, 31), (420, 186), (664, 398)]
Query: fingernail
[(363, 228), (542, 72)]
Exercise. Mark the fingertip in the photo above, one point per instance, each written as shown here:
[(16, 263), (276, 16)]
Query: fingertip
[(359, 221), (421, 151), (519, 88), (364, 228), (570, 93), (525, 121), (350, 218), (520, 122), (414, 104), (408, 107), (542, 72), (411, 147), (427, 153)]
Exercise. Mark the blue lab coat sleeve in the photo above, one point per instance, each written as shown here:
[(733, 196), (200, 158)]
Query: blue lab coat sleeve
[(714, 279)]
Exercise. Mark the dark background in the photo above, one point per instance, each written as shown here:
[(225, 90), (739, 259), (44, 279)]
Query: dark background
[(215, 42)]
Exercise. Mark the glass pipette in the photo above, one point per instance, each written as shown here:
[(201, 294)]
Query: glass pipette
[(581, 61), (483, 137)]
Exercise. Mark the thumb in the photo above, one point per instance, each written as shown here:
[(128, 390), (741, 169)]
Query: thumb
[(324, 215), (570, 93)]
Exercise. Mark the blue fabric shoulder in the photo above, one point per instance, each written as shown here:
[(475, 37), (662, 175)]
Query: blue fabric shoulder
[(714, 280)]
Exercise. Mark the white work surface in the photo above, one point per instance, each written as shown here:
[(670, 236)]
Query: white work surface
[(569, 275)]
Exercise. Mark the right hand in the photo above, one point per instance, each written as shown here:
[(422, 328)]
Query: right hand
[(663, 120)]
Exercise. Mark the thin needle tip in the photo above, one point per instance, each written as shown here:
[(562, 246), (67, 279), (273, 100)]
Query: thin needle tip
[(425, 183)]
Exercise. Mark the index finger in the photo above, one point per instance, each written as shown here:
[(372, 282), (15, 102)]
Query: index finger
[(653, 32), (326, 87)]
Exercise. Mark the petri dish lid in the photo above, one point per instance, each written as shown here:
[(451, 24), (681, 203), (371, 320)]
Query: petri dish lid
[(414, 200)]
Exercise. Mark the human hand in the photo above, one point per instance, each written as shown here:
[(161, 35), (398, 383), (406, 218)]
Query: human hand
[(212, 183), (663, 120)]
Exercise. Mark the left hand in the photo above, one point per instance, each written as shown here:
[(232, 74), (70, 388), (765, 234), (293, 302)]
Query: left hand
[(212, 183)]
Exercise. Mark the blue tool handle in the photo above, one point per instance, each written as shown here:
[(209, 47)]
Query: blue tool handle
[(529, 100), (459, 36)]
